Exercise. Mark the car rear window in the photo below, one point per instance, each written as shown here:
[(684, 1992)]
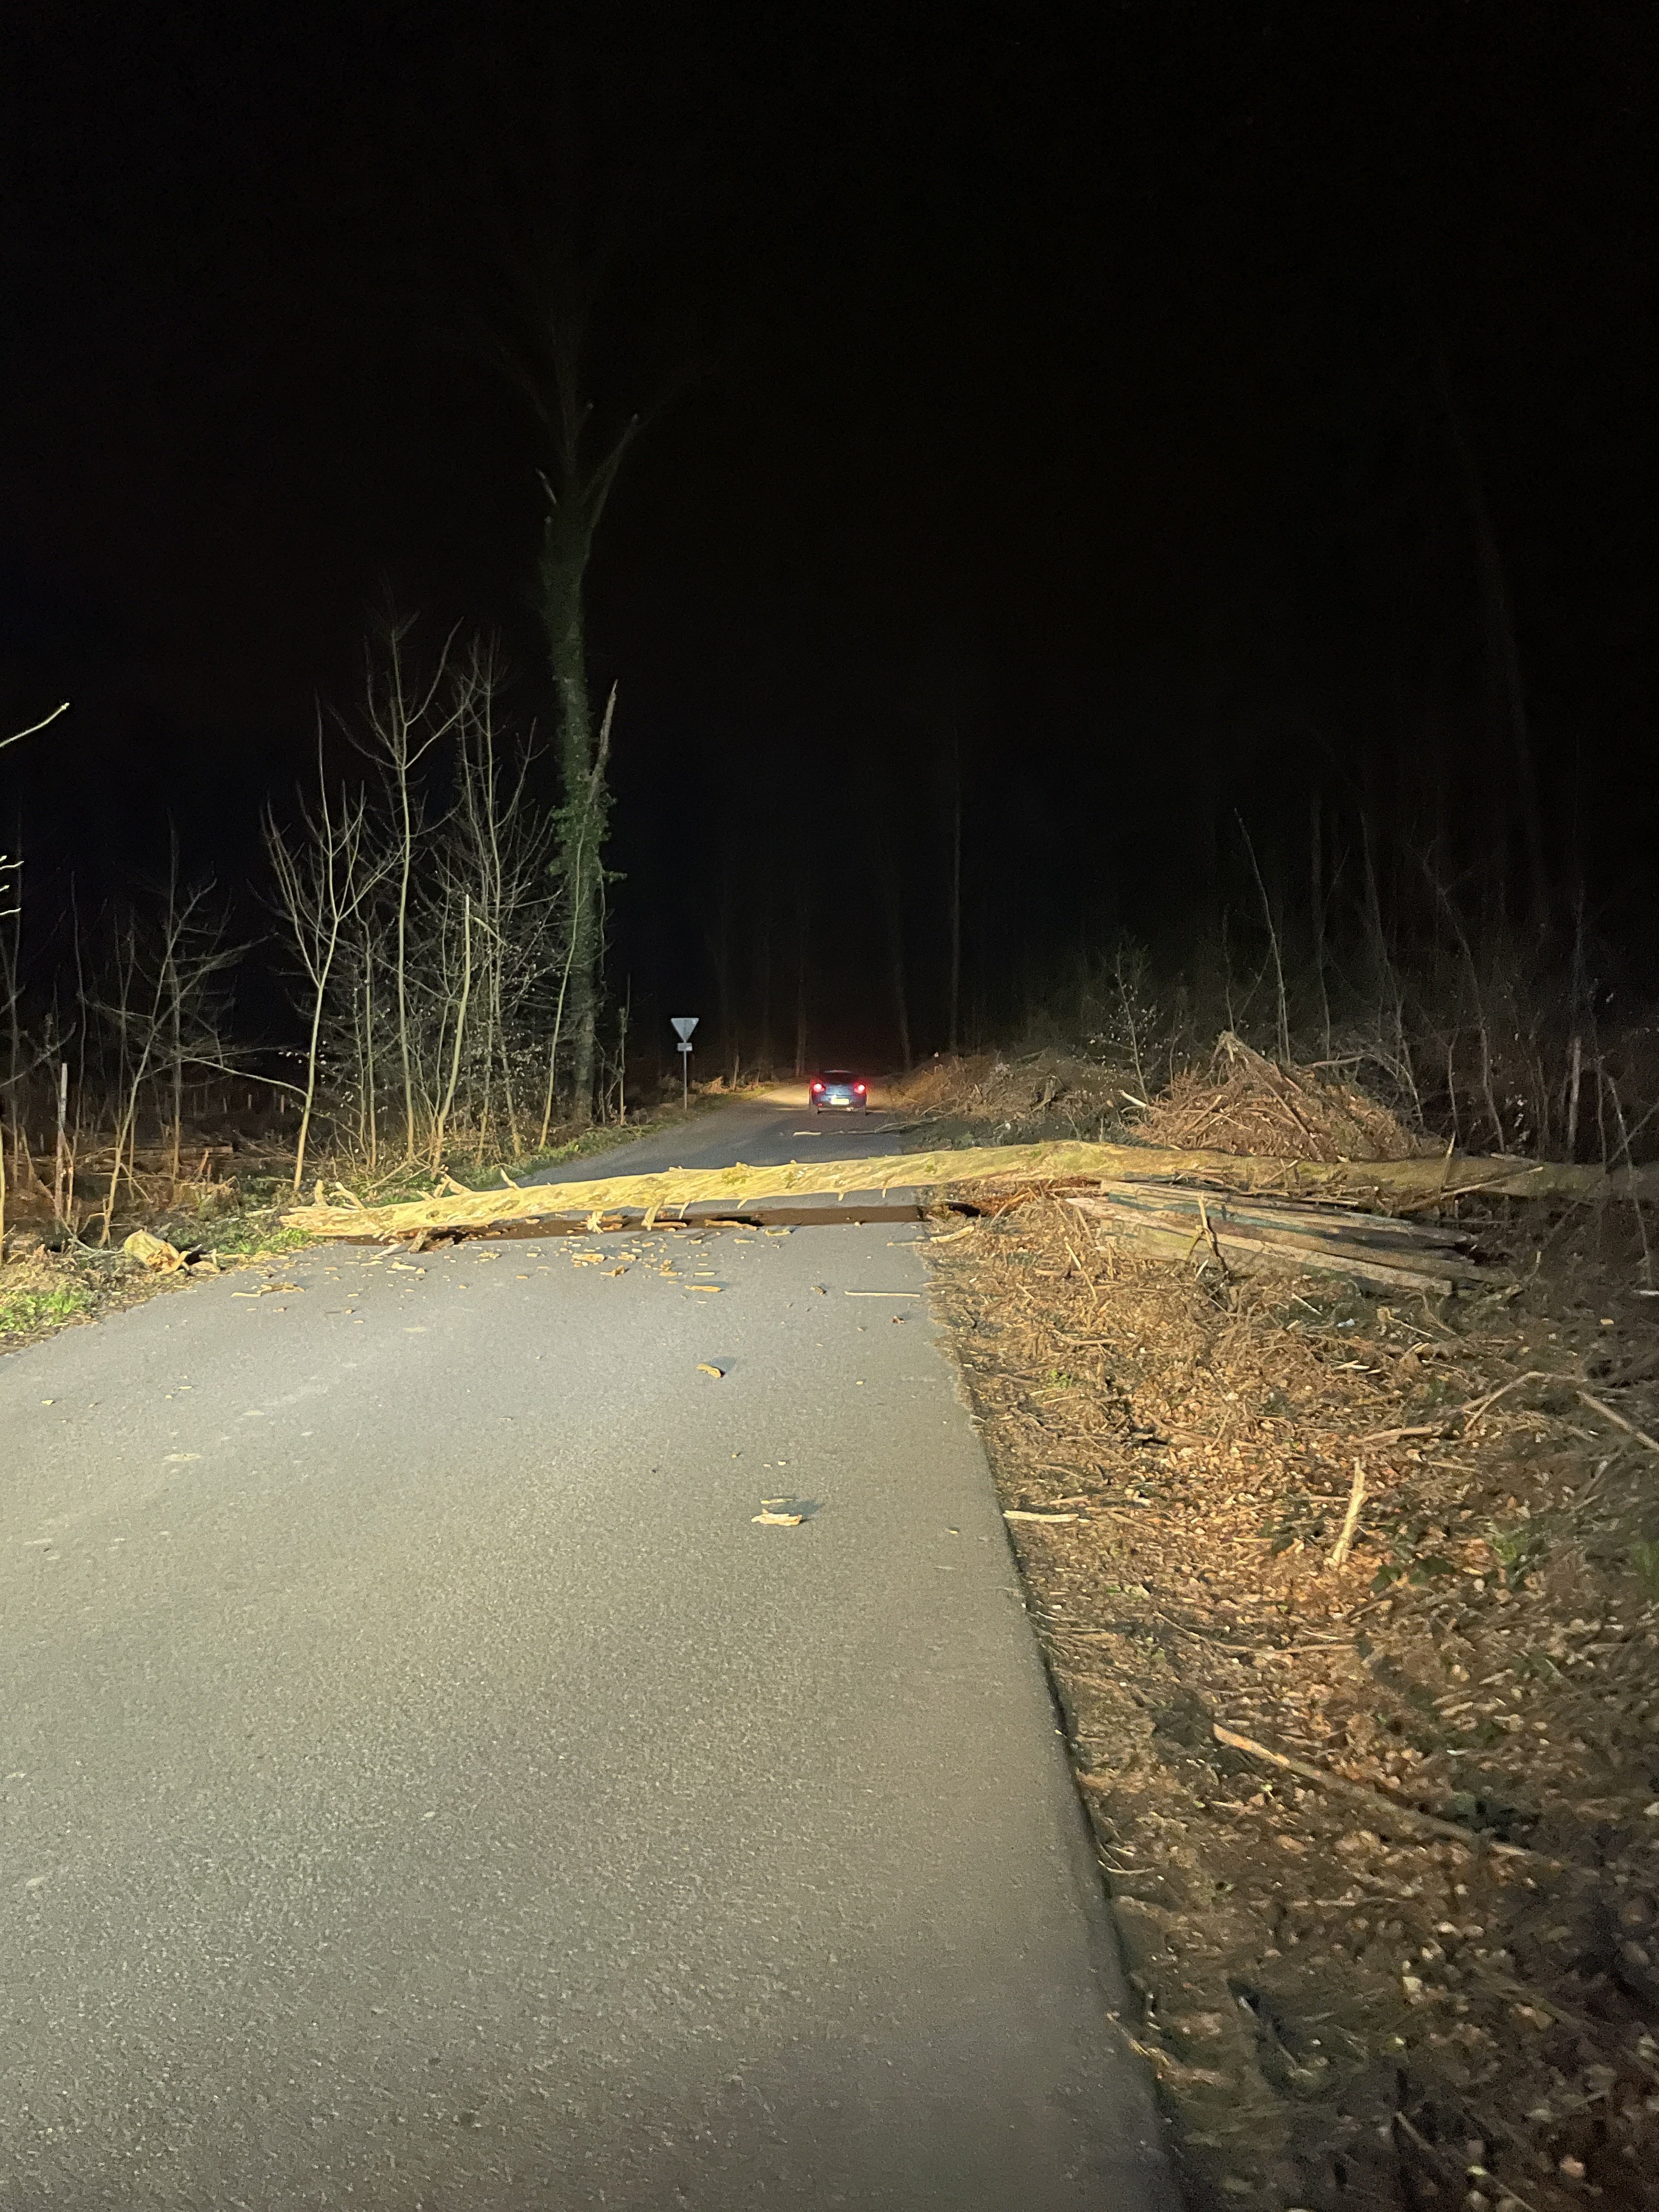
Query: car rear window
[(838, 1075)]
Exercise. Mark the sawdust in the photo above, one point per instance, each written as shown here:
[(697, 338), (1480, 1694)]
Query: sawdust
[(1342, 2008)]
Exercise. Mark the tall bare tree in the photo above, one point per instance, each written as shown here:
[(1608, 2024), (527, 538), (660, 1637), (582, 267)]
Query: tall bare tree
[(405, 718), (430, 936), (539, 340), (325, 875), (10, 981)]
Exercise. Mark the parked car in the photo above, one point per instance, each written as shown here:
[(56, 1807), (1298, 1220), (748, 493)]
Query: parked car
[(839, 1091)]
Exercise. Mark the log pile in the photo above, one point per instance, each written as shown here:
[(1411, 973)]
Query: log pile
[(1245, 1234)]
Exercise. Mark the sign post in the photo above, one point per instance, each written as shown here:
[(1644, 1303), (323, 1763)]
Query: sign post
[(683, 1024)]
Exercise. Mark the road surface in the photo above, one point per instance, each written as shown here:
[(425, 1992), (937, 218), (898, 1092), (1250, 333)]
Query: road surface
[(426, 1785)]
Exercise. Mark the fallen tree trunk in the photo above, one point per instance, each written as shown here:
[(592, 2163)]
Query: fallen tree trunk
[(1383, 1186)]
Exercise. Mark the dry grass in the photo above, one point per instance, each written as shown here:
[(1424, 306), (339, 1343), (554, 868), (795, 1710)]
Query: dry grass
[(1344, 2008)]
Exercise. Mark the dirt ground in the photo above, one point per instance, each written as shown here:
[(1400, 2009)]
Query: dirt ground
[(1346, 2003)]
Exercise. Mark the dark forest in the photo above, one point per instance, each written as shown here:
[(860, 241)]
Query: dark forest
[(829, 1107), (1154, 493)]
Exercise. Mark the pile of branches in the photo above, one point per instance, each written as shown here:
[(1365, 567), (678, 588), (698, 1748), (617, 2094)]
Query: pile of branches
[(1246, 1104)]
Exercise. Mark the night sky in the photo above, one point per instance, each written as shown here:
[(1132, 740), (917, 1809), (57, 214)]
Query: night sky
[(1110, 400)]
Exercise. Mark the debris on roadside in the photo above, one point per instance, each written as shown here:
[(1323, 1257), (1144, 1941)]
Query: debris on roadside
[(153, 1252), (1355, 1629), (1243, 1234), (1245, 1102)]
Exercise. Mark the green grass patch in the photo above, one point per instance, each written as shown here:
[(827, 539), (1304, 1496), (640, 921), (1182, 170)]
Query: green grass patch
[(244, 1235), (26, 1310), (1519, 1550)]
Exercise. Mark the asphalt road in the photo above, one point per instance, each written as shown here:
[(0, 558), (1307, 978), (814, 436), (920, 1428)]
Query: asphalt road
[(425, 1785), (761, 1133)]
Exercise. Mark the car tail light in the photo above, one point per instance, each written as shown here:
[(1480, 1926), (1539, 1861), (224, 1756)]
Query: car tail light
[(859, 1087), (817, 1086)]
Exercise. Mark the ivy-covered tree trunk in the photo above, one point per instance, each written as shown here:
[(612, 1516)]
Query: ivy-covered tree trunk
[(584, 816)]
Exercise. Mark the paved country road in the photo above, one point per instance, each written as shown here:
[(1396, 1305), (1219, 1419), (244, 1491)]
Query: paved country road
[(423, 1784)]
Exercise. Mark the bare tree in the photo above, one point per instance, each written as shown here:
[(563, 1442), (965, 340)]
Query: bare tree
[(536, 338), (405, 718), (577, 483), (432, 935), (886, 855), (164, 1012), (326, 872), (11, 980), (498, 857), (954, 806)]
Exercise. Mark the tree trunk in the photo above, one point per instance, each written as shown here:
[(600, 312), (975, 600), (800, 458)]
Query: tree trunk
[(892, 909), (955, 895), (1373, 1186), (1503, 652), (765, 959), (803, 917), (566, 543)]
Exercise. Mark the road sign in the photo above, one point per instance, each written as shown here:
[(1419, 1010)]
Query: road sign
[(684, 1023)]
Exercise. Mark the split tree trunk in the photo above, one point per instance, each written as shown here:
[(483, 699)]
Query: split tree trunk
[(1376, 1186)]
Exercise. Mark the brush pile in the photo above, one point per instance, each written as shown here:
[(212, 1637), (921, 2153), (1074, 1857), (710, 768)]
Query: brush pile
[(1016, 1095), (1249, 1104)]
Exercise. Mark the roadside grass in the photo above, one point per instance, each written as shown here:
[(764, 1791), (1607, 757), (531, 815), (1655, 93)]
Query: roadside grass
[(238, 1222), (42, 1293), (23, 1310)]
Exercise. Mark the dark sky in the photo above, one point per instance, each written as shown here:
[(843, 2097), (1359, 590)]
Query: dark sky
[(1141, 398)]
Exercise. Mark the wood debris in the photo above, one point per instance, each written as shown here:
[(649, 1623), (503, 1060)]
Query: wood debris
[(153, 1252), (635, 1201), (1381, 1825), (1179, 1222)]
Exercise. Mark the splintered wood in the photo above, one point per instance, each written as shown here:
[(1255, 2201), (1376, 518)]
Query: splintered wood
[(638, 1200), (1177, 1222)]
